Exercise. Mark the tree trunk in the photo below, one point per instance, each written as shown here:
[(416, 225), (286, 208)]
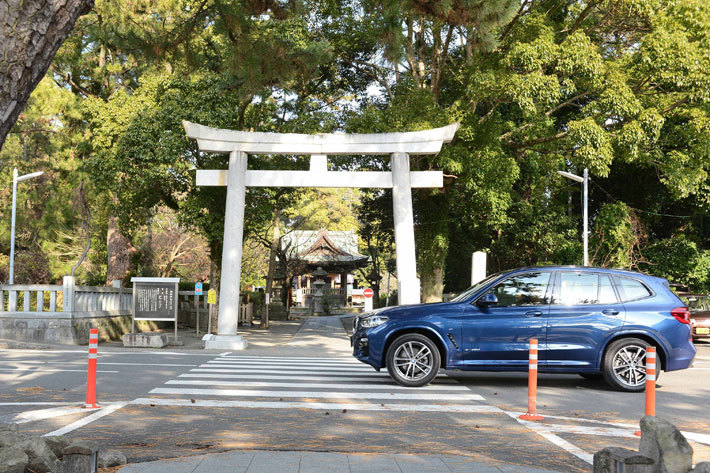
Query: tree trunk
[(433, 246), (214, 273), (272, 264), (433, 285), (32, 31), (120, 252)]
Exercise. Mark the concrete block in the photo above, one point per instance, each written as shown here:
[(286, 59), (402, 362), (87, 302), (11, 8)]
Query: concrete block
[(225, 342), (145, 340), (662, 442), (615, 459), (80, 457), (13, 460), (702, 467)]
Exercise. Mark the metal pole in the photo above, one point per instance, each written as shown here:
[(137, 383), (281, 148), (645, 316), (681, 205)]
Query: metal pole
[(12, 228), (586, 219)]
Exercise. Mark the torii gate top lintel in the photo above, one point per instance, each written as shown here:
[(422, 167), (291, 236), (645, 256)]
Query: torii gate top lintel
[(217, 140)]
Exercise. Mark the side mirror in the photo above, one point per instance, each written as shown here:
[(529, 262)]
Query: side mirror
[(487, 300)]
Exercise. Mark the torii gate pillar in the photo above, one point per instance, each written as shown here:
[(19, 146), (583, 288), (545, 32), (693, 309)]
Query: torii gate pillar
[(237, 178), (408, 285)]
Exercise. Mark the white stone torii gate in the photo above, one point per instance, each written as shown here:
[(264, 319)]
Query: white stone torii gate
[(237, 178)]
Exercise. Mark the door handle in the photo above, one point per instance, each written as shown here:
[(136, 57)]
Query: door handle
[(610, 312), (533, 313)]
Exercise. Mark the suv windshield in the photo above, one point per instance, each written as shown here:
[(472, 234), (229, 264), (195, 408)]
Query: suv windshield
[(476, 287)]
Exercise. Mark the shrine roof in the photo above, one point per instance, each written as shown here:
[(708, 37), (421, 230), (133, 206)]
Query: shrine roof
[(323, 246)]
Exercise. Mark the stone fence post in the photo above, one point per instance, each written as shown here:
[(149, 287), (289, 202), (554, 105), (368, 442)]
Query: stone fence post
[(68, 297)]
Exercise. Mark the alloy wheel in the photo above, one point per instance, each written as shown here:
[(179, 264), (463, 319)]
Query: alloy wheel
[(629, 365), (413, 360)]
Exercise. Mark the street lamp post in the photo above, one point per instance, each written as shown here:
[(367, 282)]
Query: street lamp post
[(584, 179), (15, 180)]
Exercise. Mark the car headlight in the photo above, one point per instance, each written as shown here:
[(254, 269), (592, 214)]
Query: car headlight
[(373, 321)]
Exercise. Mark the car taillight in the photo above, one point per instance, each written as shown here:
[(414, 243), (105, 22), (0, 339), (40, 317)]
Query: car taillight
[(681, 314)]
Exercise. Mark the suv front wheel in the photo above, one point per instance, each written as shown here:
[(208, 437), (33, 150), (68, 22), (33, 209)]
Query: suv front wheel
[(625, 364), (413, 360)]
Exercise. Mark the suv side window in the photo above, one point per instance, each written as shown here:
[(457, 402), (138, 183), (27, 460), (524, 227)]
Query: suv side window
[(631, 289), (582, 288), (528, 289), (578, 288)]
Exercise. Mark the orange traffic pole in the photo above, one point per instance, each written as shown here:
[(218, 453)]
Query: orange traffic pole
[(650, 383), (91, 380), (532, 384)]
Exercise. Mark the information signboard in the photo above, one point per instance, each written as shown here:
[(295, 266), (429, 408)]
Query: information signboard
[(155, 299), (198, 288)]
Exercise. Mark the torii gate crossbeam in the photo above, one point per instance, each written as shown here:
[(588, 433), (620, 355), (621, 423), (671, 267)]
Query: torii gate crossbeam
[(237, 178)]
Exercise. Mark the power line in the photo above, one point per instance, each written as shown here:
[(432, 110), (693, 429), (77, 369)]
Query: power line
[(634, 208)]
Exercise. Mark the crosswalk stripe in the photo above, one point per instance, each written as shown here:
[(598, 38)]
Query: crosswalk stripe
[(320, 395), (470, 408), (223, 364), (351, 361), (275, 369), (287, 358), (355, 379), (292, 363), (292, 372), (310, 385)]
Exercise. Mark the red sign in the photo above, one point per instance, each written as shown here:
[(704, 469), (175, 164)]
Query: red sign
[(368, 292)]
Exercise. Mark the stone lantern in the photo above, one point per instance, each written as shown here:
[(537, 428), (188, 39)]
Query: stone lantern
[(318, 285)]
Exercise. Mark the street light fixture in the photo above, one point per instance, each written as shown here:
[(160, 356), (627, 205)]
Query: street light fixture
[(15, 180), (584, 180)]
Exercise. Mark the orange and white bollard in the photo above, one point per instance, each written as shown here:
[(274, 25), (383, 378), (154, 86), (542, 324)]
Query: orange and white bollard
[(532, 384), (91, 380), (650, 383)]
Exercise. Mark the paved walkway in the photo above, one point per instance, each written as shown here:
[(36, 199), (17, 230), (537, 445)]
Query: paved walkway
[(318, 462)]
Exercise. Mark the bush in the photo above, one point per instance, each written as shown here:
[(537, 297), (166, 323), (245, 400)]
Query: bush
[(679, 260)]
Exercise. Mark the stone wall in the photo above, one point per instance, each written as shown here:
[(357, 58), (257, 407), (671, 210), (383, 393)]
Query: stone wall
[(67, 330)]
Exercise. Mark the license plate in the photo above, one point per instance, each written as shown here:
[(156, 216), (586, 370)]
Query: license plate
[(702, 331)]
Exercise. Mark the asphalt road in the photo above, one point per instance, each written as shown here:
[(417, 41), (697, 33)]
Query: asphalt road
[(160, 404)]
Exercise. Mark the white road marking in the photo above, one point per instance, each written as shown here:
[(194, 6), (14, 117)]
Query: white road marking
[(100, 362), (102, 412), (312, 385), (696, 437), (275, 371), (560, 442), (318, 395), (265, 367), (589, 430), (294, 362), (290, 358), (108, 352), (614, 427), (359, 378), (317, 405), (58, 370), (40, 404), (42, 414)]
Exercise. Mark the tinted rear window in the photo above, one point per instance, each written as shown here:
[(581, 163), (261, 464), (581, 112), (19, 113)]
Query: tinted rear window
[(631, 289)]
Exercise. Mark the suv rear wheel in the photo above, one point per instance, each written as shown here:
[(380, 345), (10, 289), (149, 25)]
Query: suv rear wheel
[(625, 364), (413, 360)]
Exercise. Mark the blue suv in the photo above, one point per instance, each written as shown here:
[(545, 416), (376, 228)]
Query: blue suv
[(590, 321)]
